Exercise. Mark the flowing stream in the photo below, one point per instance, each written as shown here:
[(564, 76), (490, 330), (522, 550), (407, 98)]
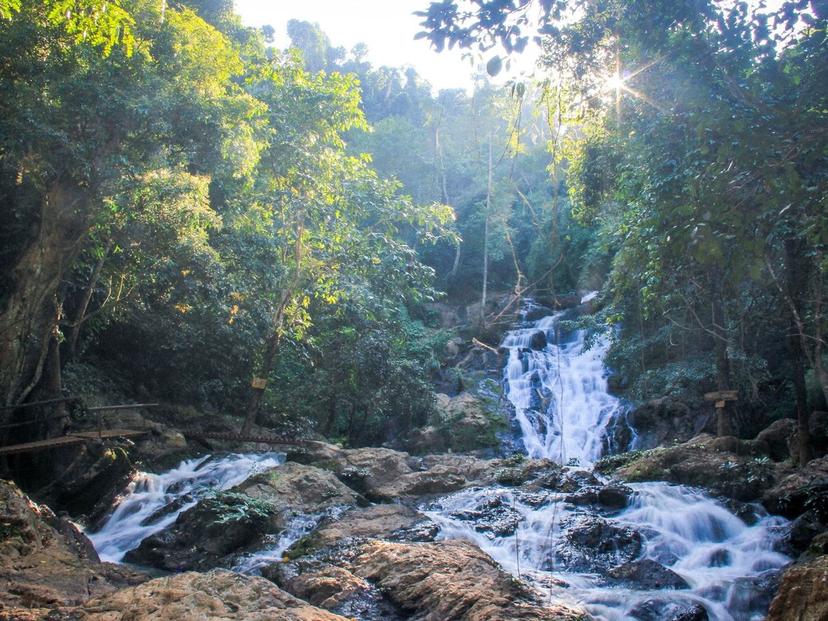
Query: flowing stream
[(152, 502), (558, 387)]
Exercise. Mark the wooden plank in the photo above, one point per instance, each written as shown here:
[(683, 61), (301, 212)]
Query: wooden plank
[(722, 395), (68, 440)]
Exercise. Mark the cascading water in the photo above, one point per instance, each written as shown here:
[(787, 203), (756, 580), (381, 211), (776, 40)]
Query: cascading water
[(559, 392), (152, 502)]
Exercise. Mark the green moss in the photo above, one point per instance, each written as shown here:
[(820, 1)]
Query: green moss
[(306, 545)]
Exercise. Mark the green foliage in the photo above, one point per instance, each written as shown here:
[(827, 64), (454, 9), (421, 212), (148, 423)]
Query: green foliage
[(236, 507)]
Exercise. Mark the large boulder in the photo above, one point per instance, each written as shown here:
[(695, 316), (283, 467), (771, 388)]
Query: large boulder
[(384, 521), (338, 590), (802, 490), (656, 609), (464, 422), (647, 574), (45, 561), (453, 581), (594, 545), (663, 421), (382, 474), (216, 596), (725, 465), (294, 489), (776, 439), (803, 594)]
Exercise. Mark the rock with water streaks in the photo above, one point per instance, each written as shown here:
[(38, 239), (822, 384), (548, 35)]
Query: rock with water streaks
[(647, 574), (725, 465), (664, 610)]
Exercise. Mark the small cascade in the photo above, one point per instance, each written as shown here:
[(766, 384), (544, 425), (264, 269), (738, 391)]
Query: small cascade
[(724, 560), (152, 502), (298, 527), (558, 387)]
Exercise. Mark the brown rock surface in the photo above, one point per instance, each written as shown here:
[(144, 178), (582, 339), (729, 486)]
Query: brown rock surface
[(45, 561), (791, 495), (803, 594), (218, 595), (383, 474), (724, 465), (377, 521), (452, 580), (296, 488)]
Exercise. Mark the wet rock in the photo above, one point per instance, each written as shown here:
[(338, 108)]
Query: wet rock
[(218, 595), (803, 593), (611, 497), (647, 574), (594, 545), (775, 440), (803, 531), (574, 480), (45, 561), (804, 489), (464, 422), (492, 515), (537, 311), (207, 534), (452, 580), (538, 340), (716, 463), (662, 610), (614, 496), (377, 521), (750, 596), (544, 472)]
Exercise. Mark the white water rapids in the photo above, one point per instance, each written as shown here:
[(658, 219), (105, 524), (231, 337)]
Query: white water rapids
[(152, 502), (562, 405)]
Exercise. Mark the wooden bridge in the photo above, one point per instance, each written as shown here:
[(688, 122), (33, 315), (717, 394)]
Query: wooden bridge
[(74, 437), (80, 437)]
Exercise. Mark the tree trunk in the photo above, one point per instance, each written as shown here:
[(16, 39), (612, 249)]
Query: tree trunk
[(486, 240), (724, 416), (28, 316), (257, 392), (80, 315), (796, 280)]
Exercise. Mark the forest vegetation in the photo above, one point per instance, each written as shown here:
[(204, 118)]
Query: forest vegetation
[(298, 242)]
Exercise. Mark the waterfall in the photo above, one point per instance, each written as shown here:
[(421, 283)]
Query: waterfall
[(152, 502), (561, 403), (559, 391)]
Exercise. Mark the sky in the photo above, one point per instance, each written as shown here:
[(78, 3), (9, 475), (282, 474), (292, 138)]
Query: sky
[(387, 27)]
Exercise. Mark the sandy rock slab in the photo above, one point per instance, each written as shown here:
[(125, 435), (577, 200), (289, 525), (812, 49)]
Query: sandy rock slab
[(453, 581), (45, 561), (218, 595)]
